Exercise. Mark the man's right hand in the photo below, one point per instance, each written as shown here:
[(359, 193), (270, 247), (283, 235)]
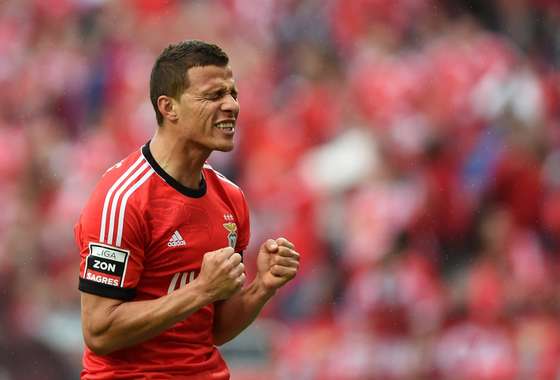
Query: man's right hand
[(222, 274)]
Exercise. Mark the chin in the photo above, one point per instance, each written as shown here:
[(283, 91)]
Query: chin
[(228, 147), (225, 148)]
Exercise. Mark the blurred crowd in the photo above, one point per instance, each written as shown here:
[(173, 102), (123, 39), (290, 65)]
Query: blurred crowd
[(409, 148)]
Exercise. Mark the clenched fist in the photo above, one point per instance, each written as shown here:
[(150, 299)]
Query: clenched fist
[(277, 263), (222, 273)]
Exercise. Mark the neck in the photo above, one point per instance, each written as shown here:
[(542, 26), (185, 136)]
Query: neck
[(178, 159)]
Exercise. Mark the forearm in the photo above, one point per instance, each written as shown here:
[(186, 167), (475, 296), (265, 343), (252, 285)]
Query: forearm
[(235, 314), (130, 323)]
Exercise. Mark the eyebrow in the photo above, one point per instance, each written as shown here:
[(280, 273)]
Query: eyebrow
[(220, 88)]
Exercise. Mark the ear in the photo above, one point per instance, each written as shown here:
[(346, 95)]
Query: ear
[(168, 107)]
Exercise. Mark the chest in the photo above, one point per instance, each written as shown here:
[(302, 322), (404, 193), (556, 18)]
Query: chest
[(182, 230)]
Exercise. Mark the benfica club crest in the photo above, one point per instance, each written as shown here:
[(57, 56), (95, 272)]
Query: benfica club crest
[(232, 235)]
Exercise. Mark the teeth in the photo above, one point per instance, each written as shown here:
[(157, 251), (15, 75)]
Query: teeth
[(225, 125)]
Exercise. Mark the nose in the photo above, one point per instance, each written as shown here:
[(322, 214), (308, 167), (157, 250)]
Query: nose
[(230, 105)]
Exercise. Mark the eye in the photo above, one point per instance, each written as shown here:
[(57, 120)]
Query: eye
[(214, 95)]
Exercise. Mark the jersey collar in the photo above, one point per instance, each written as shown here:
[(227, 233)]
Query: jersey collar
[(189, 192)]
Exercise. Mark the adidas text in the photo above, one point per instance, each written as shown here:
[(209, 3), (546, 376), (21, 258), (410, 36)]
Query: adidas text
[(176, 243)]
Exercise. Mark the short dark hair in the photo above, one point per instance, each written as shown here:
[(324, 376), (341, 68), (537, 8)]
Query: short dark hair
[(169, 74)]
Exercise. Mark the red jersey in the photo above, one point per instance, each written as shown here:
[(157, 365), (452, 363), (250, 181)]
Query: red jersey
[(142, 235)]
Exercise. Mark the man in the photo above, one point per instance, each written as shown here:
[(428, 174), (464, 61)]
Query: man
[(162, 237)]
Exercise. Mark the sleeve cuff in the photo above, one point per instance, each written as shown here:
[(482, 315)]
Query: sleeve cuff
[(104, 290)]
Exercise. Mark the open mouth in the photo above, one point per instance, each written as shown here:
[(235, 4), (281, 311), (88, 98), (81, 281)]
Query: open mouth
[(226, 126)]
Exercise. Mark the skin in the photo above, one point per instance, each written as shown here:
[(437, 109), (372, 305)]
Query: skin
[(181, 145)]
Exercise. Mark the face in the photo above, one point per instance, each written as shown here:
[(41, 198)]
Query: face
[(207, 110)]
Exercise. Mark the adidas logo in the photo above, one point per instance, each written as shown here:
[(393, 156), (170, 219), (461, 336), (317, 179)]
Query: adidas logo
[(176, 240)]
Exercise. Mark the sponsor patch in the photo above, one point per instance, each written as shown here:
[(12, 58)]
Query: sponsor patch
[(106, 264), (102, 278)]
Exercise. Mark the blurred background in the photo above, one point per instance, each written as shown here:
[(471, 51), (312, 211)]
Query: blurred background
[(409, 148)]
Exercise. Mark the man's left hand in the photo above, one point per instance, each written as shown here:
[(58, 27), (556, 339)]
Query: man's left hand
[(277, 263)]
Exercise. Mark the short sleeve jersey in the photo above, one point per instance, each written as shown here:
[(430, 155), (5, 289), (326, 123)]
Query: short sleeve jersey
[(141, 236)]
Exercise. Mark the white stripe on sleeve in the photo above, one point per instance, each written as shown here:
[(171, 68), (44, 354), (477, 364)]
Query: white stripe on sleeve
[(112, 216), (110, 193), (123, 205)]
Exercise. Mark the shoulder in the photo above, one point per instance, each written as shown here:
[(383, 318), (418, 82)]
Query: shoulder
[(115, 192), (124, 178), (224, 186), (129, 169), (218, 179), (210, 171)]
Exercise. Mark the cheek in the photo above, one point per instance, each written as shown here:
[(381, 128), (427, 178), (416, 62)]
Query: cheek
[(198, 117), (209, 115), (204, 112)]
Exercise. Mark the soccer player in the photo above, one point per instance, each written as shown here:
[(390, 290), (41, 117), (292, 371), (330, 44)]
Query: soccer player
[(162, 237)]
